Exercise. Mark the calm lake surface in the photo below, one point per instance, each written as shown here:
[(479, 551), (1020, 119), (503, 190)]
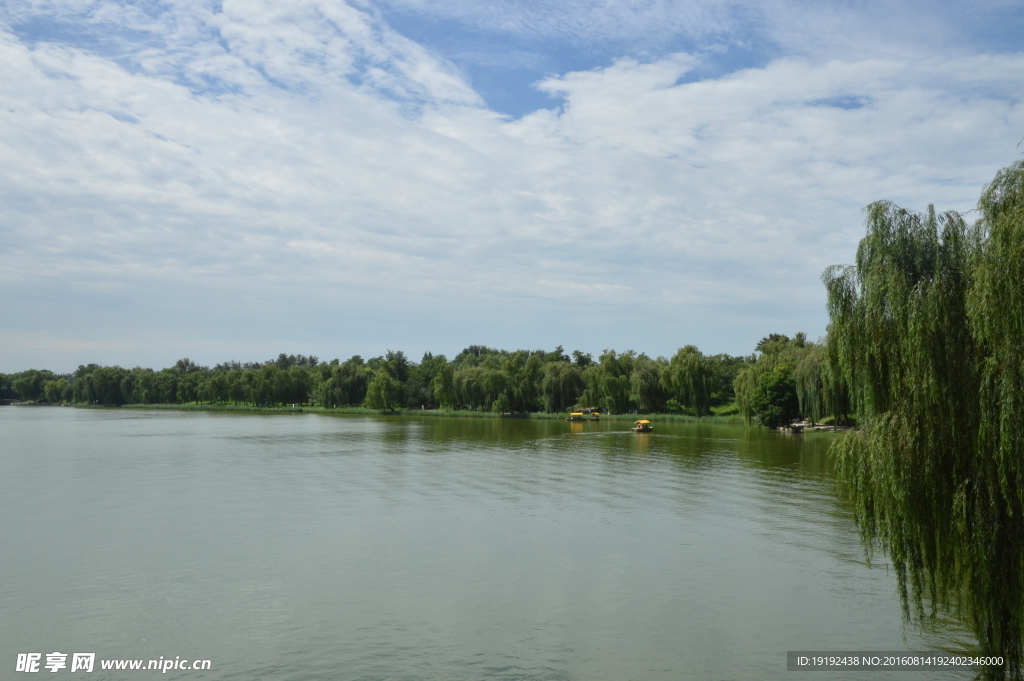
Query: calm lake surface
[(324, 547)]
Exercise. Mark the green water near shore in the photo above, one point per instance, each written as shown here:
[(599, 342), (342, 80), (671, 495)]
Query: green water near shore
[(729, 418), (307, 546)]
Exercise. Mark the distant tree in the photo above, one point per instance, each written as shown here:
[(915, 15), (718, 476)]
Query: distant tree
[(646, 385), (238, 386), (285, 361), (220, 386), (726, 368), (261, 384), (582, 360), (137, 386), (165, 387), (750, 382), (477, 351), (690, 380), (204, 391), (187, 385), (419, 387), (231, 365), (186, 366), (608, 382), (384, 392), (520, 377), (28, 385), (106, 385), (772, 339), (54, 390), (774, 403), (6, 391), (444, 386), (819, 386), (558, 355), (344, 384), (494, 382), (470, 392), (561, 386)]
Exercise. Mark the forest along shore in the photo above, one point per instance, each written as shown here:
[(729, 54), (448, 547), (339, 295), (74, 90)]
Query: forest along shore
[(782, 380)]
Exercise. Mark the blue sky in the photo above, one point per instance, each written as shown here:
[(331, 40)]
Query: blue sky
[(230, 180)]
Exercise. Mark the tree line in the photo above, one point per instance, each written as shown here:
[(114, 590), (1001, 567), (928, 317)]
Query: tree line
[(782, 380), (479, 378)]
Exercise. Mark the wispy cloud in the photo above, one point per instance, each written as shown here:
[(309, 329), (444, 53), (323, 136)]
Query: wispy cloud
[(581, 20), (836, 28), (309, 176)]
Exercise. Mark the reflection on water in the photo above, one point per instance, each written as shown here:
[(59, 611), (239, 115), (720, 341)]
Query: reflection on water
[(306, 546)]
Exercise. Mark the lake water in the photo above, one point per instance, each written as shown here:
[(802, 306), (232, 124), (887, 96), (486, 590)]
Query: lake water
[(359, 548)]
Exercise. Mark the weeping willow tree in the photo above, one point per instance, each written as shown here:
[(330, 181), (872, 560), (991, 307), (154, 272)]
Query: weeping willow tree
[(820, 391), (646, 391), (926, 330), (992, 509), (561, 386), (690, 379)]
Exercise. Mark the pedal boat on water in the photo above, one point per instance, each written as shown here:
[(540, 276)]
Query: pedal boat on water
[(642, 426)]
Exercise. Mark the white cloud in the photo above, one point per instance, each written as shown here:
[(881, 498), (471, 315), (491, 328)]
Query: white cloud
[(291, 162)]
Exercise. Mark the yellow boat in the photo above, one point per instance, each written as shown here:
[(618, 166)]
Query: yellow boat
[(575, 416), (642, 426)]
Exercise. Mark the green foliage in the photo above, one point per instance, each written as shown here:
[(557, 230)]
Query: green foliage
[(582, 360), (397, 365), (28, 385), (104, 385), (285, 362), (561, 386), (384, 392), (477, 355), (444, 386), (478, 379), (6, 390), (419, 388), (926, 330), (645, 382), (608, 382), (772, 343), (774, 402), (343, 385), (188, 384), (523, 375), (689, 379), (820, 391), (468, 388), (187, 366), (992, 507), (726, 368), (55, 391), (804, 382), (558, 355)]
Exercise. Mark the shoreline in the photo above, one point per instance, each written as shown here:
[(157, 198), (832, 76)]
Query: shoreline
[(729, 419), (720, 419)]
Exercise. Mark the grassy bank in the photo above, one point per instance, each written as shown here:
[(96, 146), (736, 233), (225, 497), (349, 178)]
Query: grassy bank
[(310, 409)]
